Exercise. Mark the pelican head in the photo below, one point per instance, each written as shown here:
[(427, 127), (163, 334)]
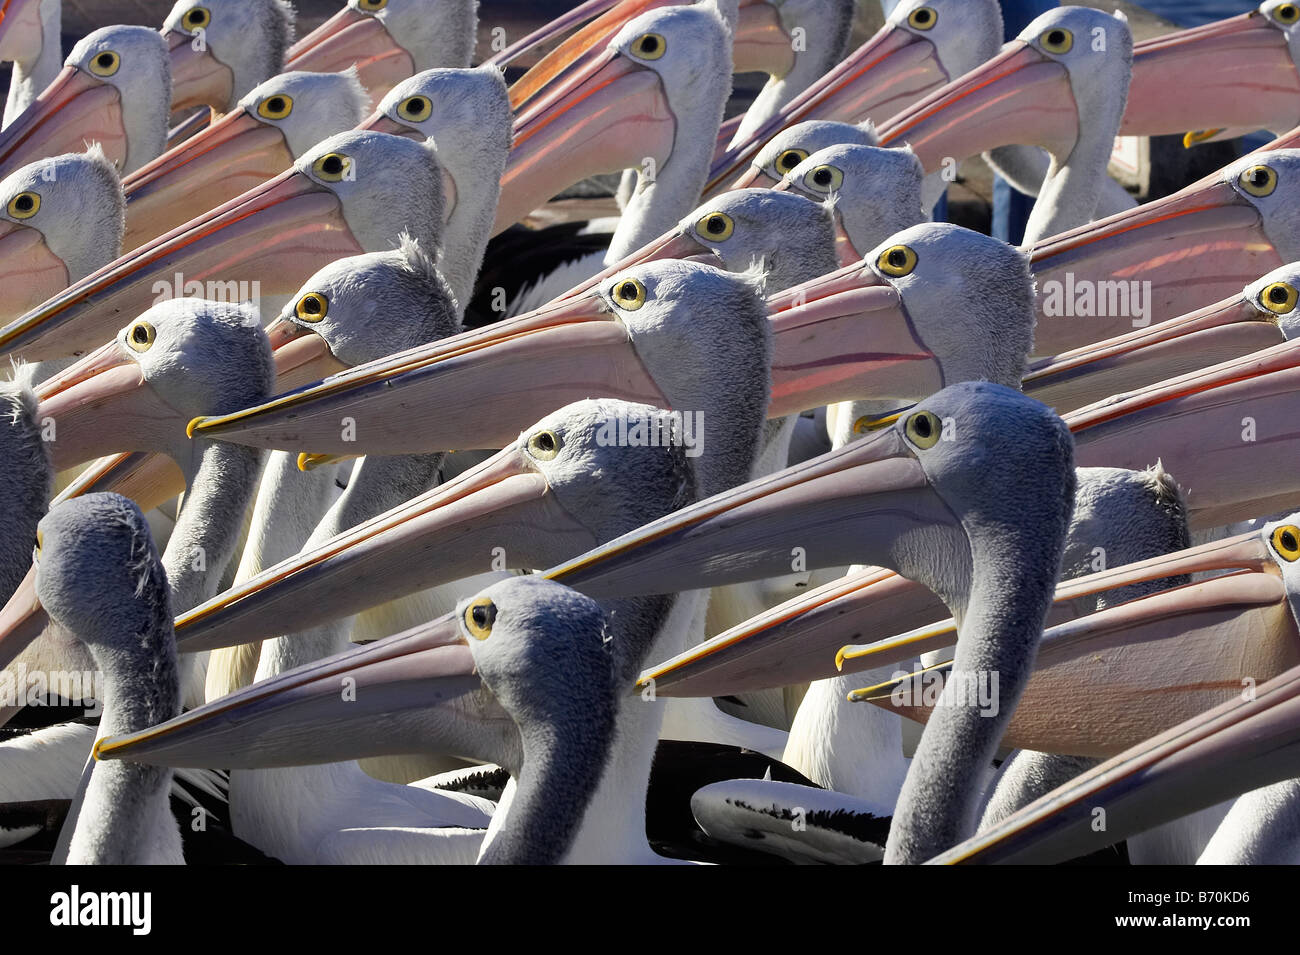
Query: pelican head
[(221, 49), (114, 89), (351, 193), (61, 220), (272, 125), (792, 145)]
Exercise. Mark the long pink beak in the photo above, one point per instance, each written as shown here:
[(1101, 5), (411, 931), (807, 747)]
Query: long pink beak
[(1236, 72), (76, 108), (29, 272), (353, 38), (198, 77)]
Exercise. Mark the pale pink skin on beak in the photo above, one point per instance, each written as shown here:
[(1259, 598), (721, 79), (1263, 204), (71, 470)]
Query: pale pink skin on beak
[(430, 540), (609, 115), (21, 30), (1243, 744), (1197, 426), (278, 234), (233, 155), (888, 73), (301, 356), (845, 252), (1236, 72), (349, 38), (1220, 332), (478, 389), (148, 478), (101, 405), (22, 620), (1197, 246), (299, 717), (198, 77), (671, 245), (845, 336), (1019, 96), (29, 272), (75, 109)]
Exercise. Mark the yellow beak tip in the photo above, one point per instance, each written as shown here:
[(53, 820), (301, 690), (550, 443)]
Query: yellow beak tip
[(194, 425), (1199, 136)]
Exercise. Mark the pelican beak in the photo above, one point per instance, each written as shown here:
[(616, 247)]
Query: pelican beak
[(888, 73), (446, 534), (236, 153), (1220, 332), (847, 506), (1222, 430), (1236, 72), (301, 356), (1175, 254), (478, 389), (102, 404), (1246, 743), (198, 77), (1106, 681), (275, 235), (1019, 96), (145, 477), (846, 253), (678, 244), (334, 709), (29, 272), (22, 620), (75, 109), (844, 336), (21, 31), (603, 115), (349, 38)]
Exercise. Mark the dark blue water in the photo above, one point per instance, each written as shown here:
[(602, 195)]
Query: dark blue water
[(1189, 13)]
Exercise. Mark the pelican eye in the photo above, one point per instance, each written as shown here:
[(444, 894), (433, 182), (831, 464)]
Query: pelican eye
[(628, 294), (479, 617), (415, 108), (24, 205), (1057, 40), (196, 18), (824, 179), (312, 307), (140, 336), (275, 107), (331, 167), (105, 64), (1288, 13), (372, 5), (1258, 180), (897, 261), (1279, 298), (545, 445), (923, 18), (788, 159), (40, 540), (923, 429), (1286, 541), (717, 226), (649, 46)]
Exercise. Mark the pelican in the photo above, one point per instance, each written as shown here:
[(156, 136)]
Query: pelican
[(114, 89), (792, 145), (389, 41), (260, 236), (271, 126), (29, 39)]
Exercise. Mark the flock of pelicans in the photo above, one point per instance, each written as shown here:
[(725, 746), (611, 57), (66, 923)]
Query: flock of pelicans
[(818, 532)]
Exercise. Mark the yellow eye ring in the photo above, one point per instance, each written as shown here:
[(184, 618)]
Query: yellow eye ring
[(628, 294), (1286, 541), (545, 445), (824, 179), (1279, 298), (196, 18), (923, 429), (24, 205), (332, 167), (1258, 180), (1287, 14), (1057, 40), (275, 107), (788, 159), (372, 5), (312, 307), (897, 261), (415, 108), (105, 64), (40, 540), (479, 618), (140, 336), (923, 18), (716, 226), (649, 46)]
